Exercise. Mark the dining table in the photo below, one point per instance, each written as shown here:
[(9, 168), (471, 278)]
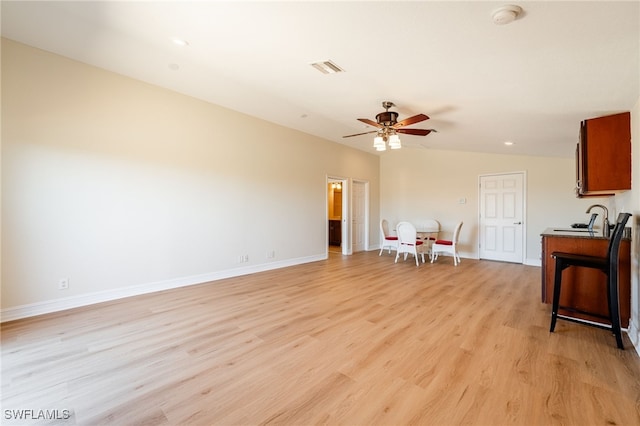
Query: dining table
[(428, 236), (427, 233)]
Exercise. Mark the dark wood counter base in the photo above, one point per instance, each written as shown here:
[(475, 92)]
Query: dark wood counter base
[(591, 295)]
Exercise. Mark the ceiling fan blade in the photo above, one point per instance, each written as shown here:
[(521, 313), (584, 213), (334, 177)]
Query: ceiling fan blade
[(371, 122), (418, 132), (358, 134), (411, 120)]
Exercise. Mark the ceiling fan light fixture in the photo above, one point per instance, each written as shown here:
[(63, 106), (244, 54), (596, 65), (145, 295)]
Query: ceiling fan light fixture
[(506, 14), (394, 142), (378, 143)]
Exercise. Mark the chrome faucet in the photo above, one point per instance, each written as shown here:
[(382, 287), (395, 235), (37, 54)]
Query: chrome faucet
[(605, 221)]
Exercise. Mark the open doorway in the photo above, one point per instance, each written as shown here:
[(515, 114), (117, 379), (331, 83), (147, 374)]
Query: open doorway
[(337, 212)]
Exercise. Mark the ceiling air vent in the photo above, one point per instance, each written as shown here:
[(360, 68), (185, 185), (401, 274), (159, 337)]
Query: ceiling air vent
[(327, 67)]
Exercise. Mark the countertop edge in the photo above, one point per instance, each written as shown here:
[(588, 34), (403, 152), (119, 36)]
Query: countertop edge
[(567, 233)]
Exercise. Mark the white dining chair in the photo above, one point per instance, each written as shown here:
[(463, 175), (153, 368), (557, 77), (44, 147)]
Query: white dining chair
[(408, 242), (387, 241), (447, 246)]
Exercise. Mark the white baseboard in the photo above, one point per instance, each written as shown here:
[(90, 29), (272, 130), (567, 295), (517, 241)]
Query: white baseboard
[(56, 305)]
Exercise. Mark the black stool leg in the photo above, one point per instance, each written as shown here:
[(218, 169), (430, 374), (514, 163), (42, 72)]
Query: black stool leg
[(556, 293), (614, 306)]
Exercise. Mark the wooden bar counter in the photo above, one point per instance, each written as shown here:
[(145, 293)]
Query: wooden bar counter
[(590, 295)]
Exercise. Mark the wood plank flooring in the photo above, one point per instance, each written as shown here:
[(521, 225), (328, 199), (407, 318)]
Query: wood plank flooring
[(354, 340)]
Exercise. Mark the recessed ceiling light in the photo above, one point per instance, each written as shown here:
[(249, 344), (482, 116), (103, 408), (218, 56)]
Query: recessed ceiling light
[(508, 143), (179, 42)]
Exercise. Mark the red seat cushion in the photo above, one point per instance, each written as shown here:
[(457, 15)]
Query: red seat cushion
[(391, 238), (444, 242)]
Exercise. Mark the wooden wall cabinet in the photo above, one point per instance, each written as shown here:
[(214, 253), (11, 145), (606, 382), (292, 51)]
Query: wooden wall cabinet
[(603, 155), (591, 294)]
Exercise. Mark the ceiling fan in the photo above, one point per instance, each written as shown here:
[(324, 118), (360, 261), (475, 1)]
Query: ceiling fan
[(389, 127)]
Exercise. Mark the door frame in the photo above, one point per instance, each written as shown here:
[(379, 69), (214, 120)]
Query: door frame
[(524, 211)]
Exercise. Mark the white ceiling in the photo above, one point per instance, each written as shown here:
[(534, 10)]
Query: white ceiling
[(530, 82)]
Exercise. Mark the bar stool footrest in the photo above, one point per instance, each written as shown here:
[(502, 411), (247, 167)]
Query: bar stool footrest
[(585, 322)]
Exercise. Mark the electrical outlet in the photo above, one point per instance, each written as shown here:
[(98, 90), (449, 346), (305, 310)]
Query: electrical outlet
[(63, 284), (245, 258), (271, 254)]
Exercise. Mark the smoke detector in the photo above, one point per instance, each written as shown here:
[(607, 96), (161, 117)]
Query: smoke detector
[(506, 14)]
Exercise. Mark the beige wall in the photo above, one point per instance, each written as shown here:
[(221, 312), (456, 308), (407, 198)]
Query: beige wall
[(123, 187)]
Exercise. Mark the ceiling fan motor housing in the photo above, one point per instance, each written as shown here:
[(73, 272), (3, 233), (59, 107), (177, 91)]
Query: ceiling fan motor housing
[(387, 118)]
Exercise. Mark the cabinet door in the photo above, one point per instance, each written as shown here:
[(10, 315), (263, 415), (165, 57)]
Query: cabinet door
[(335, 233), (604, 155)]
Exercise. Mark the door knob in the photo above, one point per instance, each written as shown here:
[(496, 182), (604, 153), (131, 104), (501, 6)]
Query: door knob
[(517, 223)]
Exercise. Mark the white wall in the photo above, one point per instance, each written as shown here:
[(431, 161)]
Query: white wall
[(419, 183), (123, 187)]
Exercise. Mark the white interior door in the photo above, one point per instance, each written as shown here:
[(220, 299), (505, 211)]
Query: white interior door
[(501, 217), (359, 216)]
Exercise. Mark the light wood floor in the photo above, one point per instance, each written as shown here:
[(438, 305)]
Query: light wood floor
[(353, 340)]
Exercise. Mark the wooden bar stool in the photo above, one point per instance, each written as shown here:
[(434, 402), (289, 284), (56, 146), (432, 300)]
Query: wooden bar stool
[(608, 265)]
